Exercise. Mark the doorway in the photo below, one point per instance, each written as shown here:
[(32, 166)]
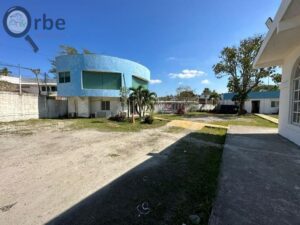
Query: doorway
[(255, 106)]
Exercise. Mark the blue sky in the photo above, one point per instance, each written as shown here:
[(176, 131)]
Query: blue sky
[(178, 40)]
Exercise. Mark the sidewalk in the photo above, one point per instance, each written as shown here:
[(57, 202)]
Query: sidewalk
[(259, 182), (266, 117)]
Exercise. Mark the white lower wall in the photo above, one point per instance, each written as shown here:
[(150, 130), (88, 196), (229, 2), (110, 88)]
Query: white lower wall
[(115, 105), (14, 106), (85, 106), (286, 128), (79, 105), (264, 106)]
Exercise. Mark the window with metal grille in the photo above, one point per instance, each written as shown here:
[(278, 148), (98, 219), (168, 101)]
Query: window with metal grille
[(105, 105), (64, 77), (274, 104), (296, 98)]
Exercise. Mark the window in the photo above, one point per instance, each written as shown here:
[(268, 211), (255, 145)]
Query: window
[(296, 97), (43, 88), (274, 104), (64, 77), (53, 88), (105, 105), (139, 82), (101, 80)]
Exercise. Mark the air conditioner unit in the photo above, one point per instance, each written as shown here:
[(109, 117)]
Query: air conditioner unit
[(103, 114)]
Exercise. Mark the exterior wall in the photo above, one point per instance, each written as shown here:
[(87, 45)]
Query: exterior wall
[(286, 128), (75, 64), (29, 85), (28, 106), (85, 106), (79, 105), (115, 105), (264, 107)]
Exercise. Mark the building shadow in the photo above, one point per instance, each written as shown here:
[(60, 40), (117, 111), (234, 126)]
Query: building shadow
[(259, 181), (157, 191)]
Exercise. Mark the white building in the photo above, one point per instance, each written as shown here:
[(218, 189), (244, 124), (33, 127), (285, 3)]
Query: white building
[(266, 102), (30, 85), (282, 48)]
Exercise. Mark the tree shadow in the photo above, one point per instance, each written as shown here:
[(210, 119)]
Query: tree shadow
[(165, 189)]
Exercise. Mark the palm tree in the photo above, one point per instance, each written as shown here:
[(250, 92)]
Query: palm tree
[(214, 96), (150, 99), (142, 99)]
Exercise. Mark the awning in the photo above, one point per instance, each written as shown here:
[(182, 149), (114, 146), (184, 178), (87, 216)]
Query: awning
[(283, 36)]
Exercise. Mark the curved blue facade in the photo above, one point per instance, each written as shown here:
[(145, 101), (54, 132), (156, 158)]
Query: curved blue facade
[(76, 64)]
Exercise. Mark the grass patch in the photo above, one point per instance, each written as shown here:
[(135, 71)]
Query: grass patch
[(178, 182), (246, 120), (215, 135), (102, 124), (174, 130), (223, 119)]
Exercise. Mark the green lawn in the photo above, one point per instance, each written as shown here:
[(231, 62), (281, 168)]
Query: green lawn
[(214, 135), (222, 119), (101, 124), (108, 125), (275, 116)]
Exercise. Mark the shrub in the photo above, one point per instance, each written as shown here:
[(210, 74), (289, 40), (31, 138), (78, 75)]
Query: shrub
[(180, 111), (121, 117), (149, 119)]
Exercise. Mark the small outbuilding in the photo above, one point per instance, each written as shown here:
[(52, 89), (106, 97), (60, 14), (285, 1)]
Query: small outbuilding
[(265, 102)]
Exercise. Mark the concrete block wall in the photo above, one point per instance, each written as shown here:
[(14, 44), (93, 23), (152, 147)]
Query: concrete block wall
[(14, 106)]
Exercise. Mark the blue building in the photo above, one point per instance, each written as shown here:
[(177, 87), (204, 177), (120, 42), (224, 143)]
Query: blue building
[(92, 83)]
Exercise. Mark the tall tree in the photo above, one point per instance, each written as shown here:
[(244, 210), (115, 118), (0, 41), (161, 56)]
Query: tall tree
[(5, 72), (237, 63), (66, 50), (214, 96), (206, 92), (185, 93)]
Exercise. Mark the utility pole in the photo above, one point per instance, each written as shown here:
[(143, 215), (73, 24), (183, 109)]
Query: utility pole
[(20, 79), (36, 73)]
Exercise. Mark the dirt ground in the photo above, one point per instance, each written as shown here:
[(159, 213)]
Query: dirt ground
[(44, 172)]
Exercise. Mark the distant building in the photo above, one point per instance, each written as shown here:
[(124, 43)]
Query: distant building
[(30, 85), (92, 83), (266, 102)]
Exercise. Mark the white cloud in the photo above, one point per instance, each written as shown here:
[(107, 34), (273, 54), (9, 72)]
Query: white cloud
[(206, 81), (187, 74), (155, 81), (171, 58)]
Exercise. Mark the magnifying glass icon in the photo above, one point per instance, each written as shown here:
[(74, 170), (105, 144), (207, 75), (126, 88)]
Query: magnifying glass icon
[(17, 23)]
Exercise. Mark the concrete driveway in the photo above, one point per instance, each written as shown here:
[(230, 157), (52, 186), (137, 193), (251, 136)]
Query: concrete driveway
[(260, 179)]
